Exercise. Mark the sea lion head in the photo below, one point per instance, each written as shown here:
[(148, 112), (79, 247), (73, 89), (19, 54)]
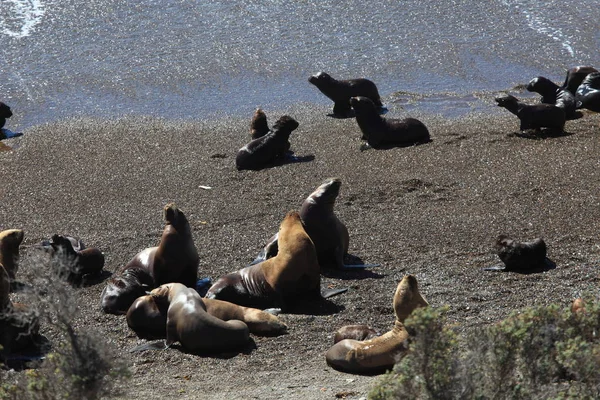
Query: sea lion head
[(320, 78), (362, 103), (121, 292), (285, 124), (148, 318), (175, 217), (327, 192), (541, 85), (506, 101), (5, 111), (407, 298)]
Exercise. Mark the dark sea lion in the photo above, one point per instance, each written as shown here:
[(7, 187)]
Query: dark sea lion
[(264, 150), (534, 116), (291, 276), (340, 91), (575, 76), (189, 324), (521, 257), (383, 132), (174, 260), (10, 240), (588, 93), (328, 233), (18, 326), (148, 319), (355, 332), (5, 112), (259, 126), (78, 263), (554, 94), (380, 353)]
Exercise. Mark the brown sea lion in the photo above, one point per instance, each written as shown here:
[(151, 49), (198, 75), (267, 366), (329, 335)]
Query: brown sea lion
[(554, 94), (588, 93), (355, 332), (174, 260), (578, 306), (292, 275), (18, 326), (387, 132), (326, 230), (534, 116), (259, 126), (189, 324), (380, 353), (10, 240), (575, 76), (76, 263), (340, 91), (148, 318), (265, 150)]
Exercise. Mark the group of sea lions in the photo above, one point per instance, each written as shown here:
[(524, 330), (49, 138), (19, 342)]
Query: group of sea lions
[(559, 104)]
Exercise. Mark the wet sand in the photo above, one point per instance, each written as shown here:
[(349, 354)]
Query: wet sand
[(432, 210)]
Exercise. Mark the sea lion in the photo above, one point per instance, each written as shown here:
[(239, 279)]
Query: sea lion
[(189, 324), (578, 306), (588, 93), (521, 256), (355, 332), (575, 76), (554, 94), (380, 131), (174, 260), (148, 318), (18, 326), (259, 126), (534, 116), (10, 240), (77, 263), (266, 149), (5, 112), (340, 91), (289, 277), (326, 230), (380, 353)]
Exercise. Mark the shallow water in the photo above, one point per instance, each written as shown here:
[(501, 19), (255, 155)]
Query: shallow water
[(181, 59)]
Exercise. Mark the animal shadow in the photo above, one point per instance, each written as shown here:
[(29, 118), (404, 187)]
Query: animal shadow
[(542, 134), (548, 266), (319, 306), (29, 359)]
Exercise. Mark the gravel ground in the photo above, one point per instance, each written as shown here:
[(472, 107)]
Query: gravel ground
[(432, 210)]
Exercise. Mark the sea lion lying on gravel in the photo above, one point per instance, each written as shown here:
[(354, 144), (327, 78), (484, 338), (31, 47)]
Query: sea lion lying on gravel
[(534, 116), (554, 94), (174, 260), (521, 256), (340, 91), (147, 316), (588, 93), (266, 149), (289, 277), (328, 233), (380, 353), (385, 132), (77, 263), (575, 77)]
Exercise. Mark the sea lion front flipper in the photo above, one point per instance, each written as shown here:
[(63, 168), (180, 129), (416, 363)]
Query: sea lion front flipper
[(327, 293), (270, 250), (156, 345), (496, 268), (8, 134)]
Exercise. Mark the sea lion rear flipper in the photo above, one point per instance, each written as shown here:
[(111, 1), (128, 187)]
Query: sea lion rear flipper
[(156, 345), (327, 293), (273, 311)]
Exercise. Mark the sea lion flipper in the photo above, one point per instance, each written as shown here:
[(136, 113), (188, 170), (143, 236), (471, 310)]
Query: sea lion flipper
[(327, 293), (496, 268), (156, 345)]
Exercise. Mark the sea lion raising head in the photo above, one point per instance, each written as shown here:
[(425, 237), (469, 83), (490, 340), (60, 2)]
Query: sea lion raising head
[(554, 94), (534, 116)]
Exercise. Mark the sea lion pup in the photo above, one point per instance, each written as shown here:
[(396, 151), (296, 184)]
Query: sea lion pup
[(588, 93), (148, 318), (5, 112), (259, 126), (380, 131), (10, 240), (380, 353), (18, 326), (575, 76), (340, 91), (289, 277), (521, 256), (355, 332), (328, 233), (174, 260), (189, 324), (266, 149), (534, 116), (554, 94), (78, 263)]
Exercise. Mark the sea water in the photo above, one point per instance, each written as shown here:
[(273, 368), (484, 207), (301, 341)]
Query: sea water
[(198, 59)]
